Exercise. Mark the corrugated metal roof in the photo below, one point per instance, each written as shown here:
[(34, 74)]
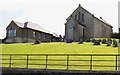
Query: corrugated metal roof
[(19, 24), (35, 27), (54, 34)]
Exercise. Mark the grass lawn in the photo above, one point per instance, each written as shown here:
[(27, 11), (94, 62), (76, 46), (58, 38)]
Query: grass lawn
[(60, 48), (57, 48)]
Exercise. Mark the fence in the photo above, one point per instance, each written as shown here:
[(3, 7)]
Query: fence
[(64, 61)]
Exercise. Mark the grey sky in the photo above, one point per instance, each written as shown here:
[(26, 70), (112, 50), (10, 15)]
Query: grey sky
[(52, 14)]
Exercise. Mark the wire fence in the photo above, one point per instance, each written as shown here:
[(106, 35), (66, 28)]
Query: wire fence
[(62, 61)]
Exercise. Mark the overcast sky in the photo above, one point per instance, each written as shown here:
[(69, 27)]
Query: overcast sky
[(52, 14)]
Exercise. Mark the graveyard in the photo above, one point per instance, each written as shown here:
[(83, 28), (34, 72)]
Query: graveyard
[(90, 46), (59, 48)]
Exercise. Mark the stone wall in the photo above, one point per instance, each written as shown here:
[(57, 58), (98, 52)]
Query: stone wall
[(101, 30)]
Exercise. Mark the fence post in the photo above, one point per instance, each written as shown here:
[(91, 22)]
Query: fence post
[(116, 62), (67, 62), (46, 61), (10, 62), (90, 62), (27, 61)]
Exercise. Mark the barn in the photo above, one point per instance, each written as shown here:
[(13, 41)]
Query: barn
[(28, 32)]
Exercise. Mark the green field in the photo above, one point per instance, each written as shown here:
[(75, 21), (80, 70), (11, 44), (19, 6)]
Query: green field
[(60, 48), (57, 48)]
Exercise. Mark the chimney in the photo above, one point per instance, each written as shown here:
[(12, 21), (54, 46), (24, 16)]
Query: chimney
[(79, 5), (100, 17), (25, 24)]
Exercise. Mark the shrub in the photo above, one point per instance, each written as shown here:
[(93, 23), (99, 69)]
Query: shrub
[(37, 42)]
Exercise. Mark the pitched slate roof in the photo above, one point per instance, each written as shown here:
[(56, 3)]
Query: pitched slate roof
[(103, 21), (33, 26)]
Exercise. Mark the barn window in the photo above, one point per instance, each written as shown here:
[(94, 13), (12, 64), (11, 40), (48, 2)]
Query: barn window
[(12, 32), (44, 36), (82, 17), (39, 36), (34, 33), (79, 16)]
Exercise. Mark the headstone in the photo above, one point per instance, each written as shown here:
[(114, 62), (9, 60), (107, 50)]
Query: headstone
[(115, 44), (93, 40), (110, 40), (99, 40), (83, 39), (109, 43), (88, 40), (80, 41), (104, 41), (96, 42), (69, 41)]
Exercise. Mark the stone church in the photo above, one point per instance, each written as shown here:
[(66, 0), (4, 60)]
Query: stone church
[(82, 24)]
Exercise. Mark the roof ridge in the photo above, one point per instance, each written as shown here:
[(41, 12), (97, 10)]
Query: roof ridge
[(34, 23), (33, 26)]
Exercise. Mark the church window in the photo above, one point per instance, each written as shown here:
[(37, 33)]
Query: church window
[(75, 17), (79, 16), (82, 17)]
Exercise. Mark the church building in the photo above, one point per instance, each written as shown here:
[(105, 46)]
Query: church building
[(82, 24)]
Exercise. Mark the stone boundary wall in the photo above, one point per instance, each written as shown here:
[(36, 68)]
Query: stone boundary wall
[(30, 71)]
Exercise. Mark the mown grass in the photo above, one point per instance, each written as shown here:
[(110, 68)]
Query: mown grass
[(60, 48), (57, 48)]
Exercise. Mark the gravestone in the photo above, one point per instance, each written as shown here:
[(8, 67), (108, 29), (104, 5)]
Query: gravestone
[(96, 42), (80, 41), (93, 40), (83, 39), (109, 43), (69, 41), (99, 40), (88, 40), (104, 41), (110, 40), (115, 44)]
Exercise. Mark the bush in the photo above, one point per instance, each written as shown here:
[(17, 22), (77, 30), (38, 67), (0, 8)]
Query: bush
[(37, 42)]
